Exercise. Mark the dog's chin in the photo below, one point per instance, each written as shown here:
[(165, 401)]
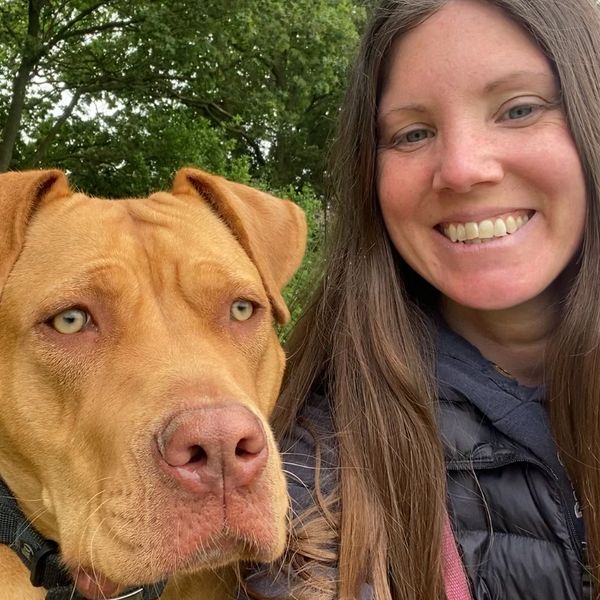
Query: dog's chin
[(93, 584)]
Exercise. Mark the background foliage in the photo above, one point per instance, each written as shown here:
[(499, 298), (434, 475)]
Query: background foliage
[(120, 93)]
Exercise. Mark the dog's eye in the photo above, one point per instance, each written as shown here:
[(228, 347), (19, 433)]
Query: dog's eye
[(242, 310), (70, 321)]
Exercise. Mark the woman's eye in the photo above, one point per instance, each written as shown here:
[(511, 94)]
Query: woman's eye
[(523, 112), (242, 310), (70, 321), (414, 136), (520, 112)]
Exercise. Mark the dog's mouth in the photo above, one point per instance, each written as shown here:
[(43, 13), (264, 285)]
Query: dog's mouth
[(93, 585)]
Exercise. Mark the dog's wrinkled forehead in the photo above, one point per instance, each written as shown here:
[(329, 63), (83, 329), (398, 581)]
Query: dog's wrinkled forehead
[(161, 227), (162, 242), (185, 238), (184, 226)]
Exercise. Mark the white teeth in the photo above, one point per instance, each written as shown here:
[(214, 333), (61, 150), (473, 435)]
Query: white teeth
[(499, 228), (452, 233), (471, 231), (486, 230)]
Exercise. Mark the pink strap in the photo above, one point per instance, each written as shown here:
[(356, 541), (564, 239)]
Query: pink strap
[(455, 579)]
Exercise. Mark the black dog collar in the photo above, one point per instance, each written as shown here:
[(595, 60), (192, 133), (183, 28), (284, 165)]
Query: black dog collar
[(42, 556)]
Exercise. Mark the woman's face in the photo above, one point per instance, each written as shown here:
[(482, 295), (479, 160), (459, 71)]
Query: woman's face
[(479, 181)]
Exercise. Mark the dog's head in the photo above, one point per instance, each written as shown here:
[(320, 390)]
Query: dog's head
[(138, 368)]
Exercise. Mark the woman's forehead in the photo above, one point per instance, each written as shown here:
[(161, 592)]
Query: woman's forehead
[(465, 40)]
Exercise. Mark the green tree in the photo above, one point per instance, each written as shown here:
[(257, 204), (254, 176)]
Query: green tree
[(298, 290), (121, 93), (39, 39)]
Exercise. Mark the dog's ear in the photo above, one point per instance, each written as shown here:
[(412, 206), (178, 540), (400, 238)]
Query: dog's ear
[(20, 195), (271, 231)]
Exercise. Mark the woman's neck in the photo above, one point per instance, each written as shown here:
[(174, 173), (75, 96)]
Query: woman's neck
[(512, 339)]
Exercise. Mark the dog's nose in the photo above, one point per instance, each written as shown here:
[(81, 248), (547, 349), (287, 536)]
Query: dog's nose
[(213, 449)]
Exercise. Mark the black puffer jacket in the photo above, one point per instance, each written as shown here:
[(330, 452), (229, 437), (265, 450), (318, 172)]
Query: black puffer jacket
[(514, 513), (513, 510)]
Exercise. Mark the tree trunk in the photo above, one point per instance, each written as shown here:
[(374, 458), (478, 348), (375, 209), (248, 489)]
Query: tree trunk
[(29, 58)]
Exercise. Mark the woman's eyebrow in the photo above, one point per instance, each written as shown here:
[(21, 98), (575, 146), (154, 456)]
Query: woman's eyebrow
[(520, 78), (404, 107)]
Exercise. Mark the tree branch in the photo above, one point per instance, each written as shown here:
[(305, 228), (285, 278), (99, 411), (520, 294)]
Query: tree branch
[(99, 28), (67, 30), (44, 145), (79, 17)]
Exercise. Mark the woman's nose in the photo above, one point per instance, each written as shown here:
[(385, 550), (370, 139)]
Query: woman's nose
[(467, 160)]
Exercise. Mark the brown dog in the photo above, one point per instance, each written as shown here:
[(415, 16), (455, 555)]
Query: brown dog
[(138, 368)]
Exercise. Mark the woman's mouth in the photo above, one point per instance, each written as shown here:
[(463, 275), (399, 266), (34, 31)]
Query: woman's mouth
[(472, 232)]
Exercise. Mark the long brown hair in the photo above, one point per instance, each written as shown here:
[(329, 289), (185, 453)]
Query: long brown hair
[(365, 337)]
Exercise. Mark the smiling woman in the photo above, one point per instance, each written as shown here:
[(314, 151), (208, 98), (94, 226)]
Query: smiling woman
[(478, 148), (443, 383)]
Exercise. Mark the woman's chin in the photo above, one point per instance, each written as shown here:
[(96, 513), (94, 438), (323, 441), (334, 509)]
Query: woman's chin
[(494, 298)]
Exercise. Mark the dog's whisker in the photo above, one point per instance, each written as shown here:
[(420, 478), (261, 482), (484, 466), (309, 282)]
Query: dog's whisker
[(296, 478), (83, 548), (306, 467), (38, 514), (73, 591), (98, 507), (91, 549)]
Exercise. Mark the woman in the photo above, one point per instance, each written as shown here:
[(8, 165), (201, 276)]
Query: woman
[(450, 359)]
